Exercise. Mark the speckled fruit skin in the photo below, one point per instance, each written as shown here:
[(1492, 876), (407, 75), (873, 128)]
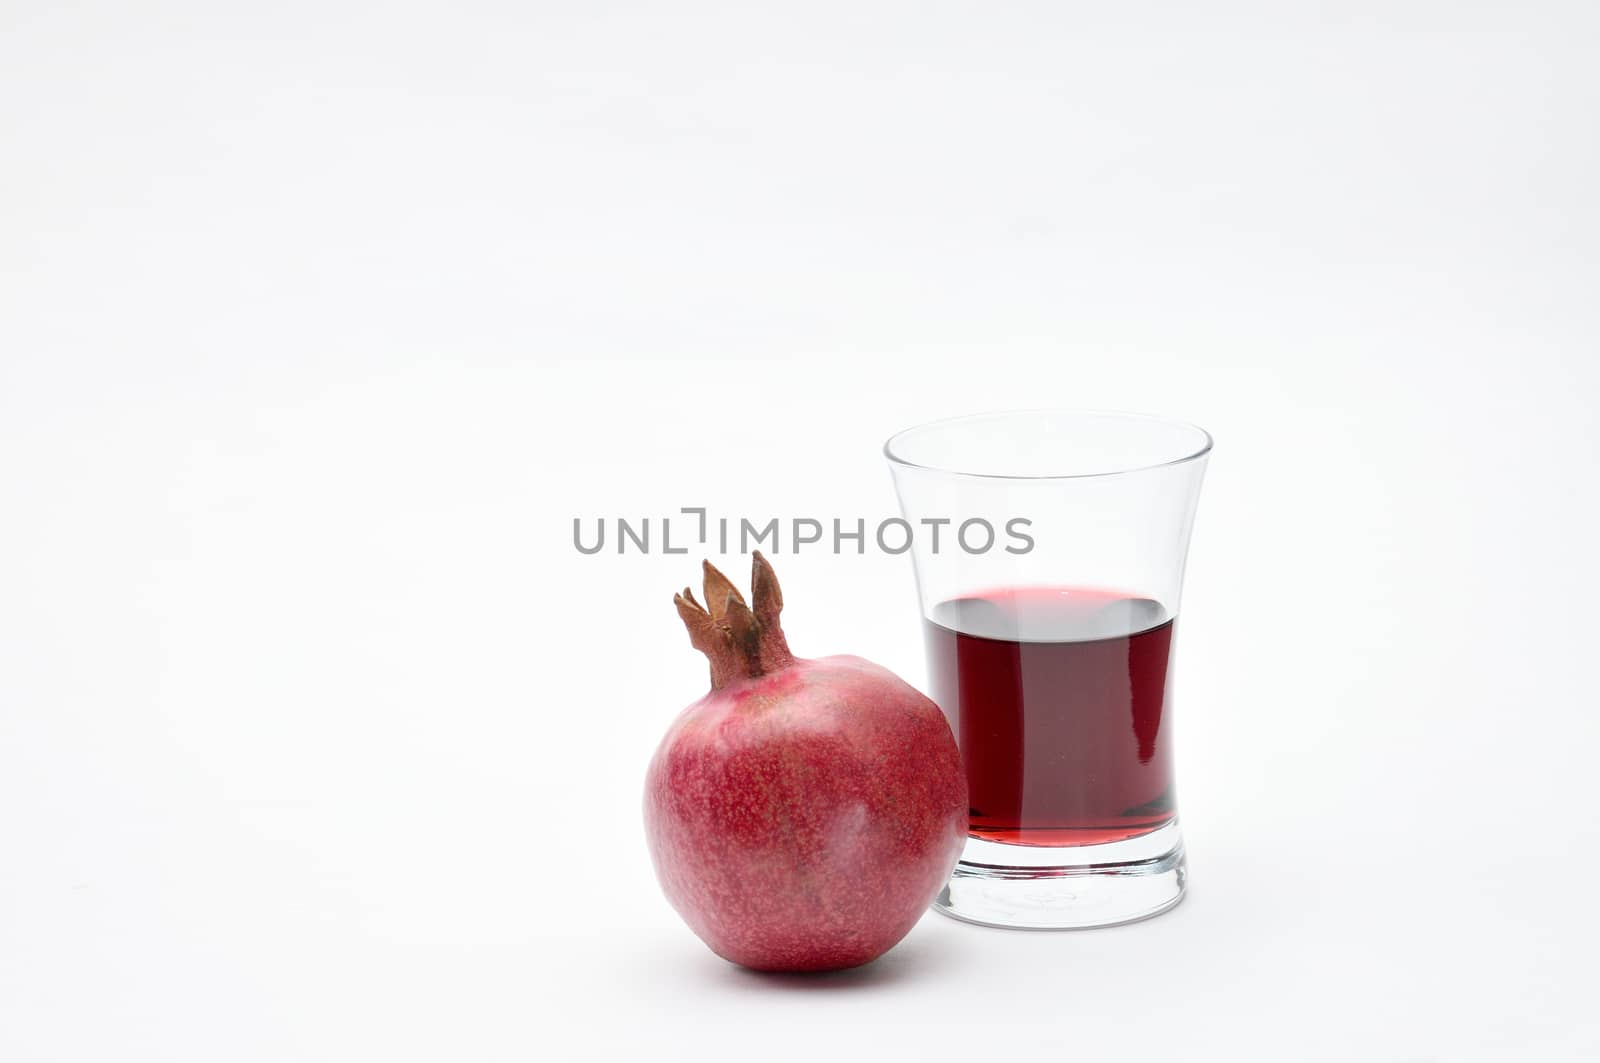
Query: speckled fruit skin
[(804, 814), (804, 821)]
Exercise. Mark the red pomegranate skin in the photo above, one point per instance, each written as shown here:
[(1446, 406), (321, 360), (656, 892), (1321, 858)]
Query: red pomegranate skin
[(804, 818)]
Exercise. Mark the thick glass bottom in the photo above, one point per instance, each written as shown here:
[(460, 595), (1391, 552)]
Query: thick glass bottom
[(1033, 887)]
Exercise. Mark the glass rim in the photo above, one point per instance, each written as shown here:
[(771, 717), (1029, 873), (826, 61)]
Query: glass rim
[(950, 422)]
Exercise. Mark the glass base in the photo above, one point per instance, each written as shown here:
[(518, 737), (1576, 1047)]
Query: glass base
[(1032, 887)]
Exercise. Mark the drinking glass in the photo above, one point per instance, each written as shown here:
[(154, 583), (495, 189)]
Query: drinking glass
[(1049, 548)]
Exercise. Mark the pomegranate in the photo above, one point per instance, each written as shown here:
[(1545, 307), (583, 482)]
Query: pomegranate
[(804, 813)]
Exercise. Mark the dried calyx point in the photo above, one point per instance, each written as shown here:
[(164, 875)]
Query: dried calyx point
[(740, 640)]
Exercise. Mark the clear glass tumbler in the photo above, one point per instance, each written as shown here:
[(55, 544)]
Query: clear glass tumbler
[(1049, 548)]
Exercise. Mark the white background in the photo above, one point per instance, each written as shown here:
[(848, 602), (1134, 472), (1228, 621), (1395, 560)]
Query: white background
[(320, 322)]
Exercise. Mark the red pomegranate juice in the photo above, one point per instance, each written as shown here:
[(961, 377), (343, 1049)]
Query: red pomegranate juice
[(1057, 696)]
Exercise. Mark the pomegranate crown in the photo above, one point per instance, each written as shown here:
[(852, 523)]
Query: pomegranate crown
[(740, 640)]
